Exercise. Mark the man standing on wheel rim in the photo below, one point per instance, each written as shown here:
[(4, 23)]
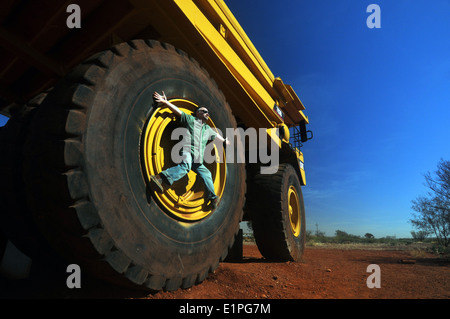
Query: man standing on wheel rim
[(192, 159)]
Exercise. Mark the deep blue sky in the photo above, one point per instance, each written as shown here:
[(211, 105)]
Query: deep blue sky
[(378, 101)]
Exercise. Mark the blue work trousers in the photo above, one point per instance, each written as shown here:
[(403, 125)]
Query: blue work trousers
[(177, 172)]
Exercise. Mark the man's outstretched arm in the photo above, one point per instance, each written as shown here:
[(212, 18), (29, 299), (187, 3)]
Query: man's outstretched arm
[(163, 99), (221, 139)]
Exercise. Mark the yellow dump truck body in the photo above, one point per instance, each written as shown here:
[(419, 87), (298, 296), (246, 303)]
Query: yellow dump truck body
[(47, 49), (87, 139)]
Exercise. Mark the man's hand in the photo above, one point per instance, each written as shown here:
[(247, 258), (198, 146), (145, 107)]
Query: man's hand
[(160, 98), (163, 99)]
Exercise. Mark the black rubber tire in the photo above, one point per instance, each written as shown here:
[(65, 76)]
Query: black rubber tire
[(88, 184), (16, 220), (268, 206)]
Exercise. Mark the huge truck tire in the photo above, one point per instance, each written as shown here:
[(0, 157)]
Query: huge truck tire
[(277, 211), (95, 142), (16, 221)]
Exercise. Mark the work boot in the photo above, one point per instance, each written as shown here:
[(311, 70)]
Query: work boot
[(214, 202), (158, 182)]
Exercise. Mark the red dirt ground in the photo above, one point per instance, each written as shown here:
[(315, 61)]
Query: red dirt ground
[(323, 273)]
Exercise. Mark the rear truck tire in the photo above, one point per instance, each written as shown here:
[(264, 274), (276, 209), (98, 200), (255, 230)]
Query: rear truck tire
[(16, 220), (275, 202), (96, 141)]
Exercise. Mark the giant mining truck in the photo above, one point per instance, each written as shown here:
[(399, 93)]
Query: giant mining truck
[(85, 134)]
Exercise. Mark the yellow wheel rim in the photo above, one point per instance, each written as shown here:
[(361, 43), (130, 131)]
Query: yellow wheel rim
[(294, 210), (185, 197)]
